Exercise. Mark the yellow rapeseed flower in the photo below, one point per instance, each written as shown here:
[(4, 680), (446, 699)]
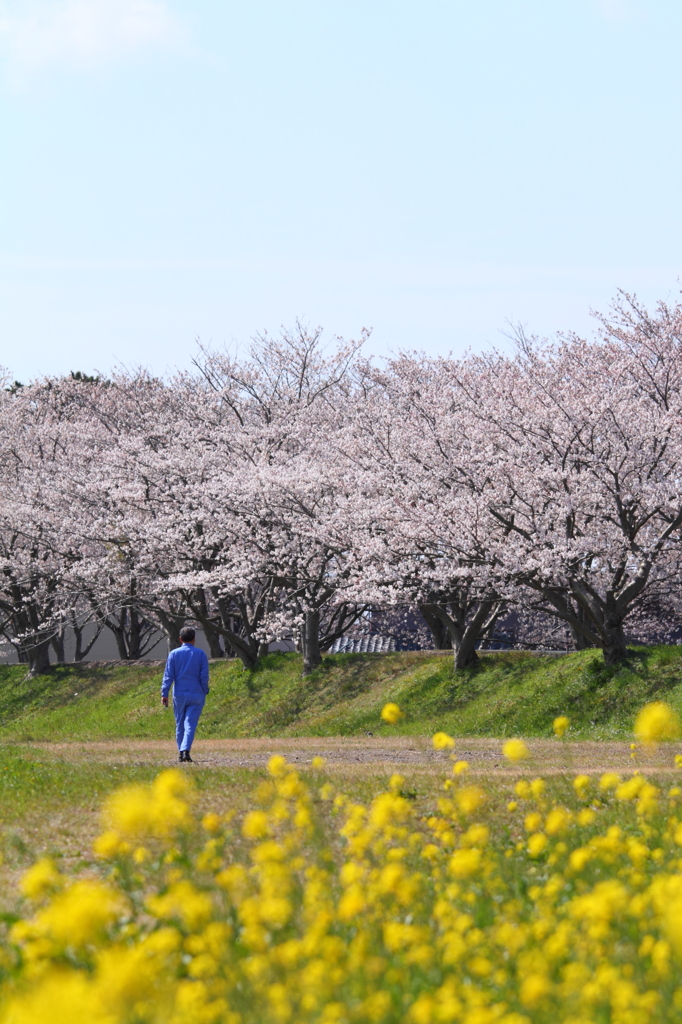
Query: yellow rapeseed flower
[(109, 845), (470, 798), (61, 997), (40, 879), (255, 825), (629, 789), (351, 904), (275, 911), (156, 811), (537, 844), (79, 915), (558, 820), (672, 921), (130, 811), (647, 799), (183, 900), (580, 785), (363, 910), (476, 835), (391, 713), (560, 725), (441, 741), (277, 765), (656, 722), (465, 863), (515, 750), (534, 988), (579, 858), (268, 852)]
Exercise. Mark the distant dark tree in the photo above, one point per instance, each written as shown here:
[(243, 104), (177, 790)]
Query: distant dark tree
[(84, 378)]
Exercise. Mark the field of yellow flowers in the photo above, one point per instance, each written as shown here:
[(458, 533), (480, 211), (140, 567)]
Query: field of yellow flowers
[(312, 907)]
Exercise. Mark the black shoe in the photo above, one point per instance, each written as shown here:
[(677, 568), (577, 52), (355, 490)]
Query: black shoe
[(187, 757), (181, 756)]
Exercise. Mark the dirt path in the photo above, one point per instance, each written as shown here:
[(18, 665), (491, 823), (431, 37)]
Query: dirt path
[(372, 753)]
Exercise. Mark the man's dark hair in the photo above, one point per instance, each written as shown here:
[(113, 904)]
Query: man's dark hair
[(187, 634)]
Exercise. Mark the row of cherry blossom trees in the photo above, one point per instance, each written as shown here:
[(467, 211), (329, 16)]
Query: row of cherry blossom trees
[(297, 489)]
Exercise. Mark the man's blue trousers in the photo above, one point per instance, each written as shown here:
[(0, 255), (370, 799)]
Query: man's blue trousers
[(187, 711)]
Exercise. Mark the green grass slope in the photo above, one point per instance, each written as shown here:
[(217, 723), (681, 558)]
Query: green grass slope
[(510, 693)]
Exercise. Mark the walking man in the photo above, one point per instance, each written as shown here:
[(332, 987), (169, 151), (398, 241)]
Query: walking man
[(187, 671)]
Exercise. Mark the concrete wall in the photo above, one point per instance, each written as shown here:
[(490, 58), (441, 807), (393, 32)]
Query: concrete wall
[(105, 649)]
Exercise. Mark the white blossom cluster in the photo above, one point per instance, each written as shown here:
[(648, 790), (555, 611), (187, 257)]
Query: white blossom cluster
[(286, 492)]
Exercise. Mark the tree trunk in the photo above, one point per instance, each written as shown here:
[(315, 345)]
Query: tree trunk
[(131, 633), (134, 636), (488, 632), (171, 629), (335, 625), (213, 641), (242, 643), (57, 643), (615, 648), (39, 658), (433, 617), (593, 622), (464, 640), (247, 660), (465, 653), (310, 641), (244, 649), (120, 638), (578, 639), (82, 648), (22, 656)]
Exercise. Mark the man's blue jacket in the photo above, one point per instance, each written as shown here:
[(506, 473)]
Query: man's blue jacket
[(187, 667)]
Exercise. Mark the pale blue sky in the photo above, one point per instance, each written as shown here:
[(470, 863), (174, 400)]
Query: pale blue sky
[(171, 170)]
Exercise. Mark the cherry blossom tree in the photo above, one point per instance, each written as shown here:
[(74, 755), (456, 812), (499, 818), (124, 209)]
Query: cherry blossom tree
[(37, 549), (286, 491), (269, 414), (183, 499), (420, 515), (584, 441)]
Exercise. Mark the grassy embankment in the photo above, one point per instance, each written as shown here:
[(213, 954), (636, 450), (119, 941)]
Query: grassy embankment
[(508, 694)]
